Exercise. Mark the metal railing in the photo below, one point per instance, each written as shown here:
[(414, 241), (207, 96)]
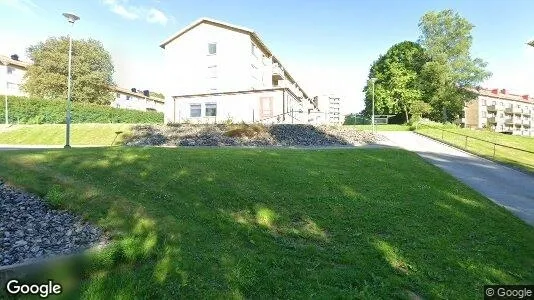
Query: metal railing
[(467, 137), (280, 118)]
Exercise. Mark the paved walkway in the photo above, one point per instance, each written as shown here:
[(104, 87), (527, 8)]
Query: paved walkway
[(505, 186)]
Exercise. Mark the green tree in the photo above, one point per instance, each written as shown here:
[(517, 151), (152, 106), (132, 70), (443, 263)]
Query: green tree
[(157, 95), (92, 70), (446, 38), (398, 87)]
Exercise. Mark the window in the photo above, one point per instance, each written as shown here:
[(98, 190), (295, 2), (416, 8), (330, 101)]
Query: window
[(253, 49), (492, 102), (127, 97), (483, 102), (501, 104), (118, 95), (483, 114), (212, 48), (195, 110), (211, 109), (12, 86), (10, 70), (212, 71)]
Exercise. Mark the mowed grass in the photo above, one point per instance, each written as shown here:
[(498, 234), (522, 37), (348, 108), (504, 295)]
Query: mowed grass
[(516, 158), (54, 134), (382, 127), (253, 223)]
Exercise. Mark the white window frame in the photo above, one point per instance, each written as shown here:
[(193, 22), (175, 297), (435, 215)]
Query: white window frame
[(209, 48), (10, 70), (191, 107), (206, 109)]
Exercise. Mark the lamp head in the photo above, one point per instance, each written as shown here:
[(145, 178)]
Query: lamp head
[(71, 17), (373, 80)]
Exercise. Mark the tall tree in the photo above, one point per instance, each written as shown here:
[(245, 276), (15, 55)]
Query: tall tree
[(398, 87), (92, 70), (446, 38)]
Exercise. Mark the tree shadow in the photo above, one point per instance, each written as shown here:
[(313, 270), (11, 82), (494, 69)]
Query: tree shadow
[(260, 225)]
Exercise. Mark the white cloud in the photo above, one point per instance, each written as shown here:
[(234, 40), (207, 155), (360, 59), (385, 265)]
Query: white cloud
[(135, 12), (156, 16), (27, 6)]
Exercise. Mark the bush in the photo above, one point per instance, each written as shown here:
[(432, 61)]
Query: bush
[(245, 130), (23, 110)]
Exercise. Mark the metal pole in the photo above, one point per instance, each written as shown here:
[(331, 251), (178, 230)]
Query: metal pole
[(373, 117), (67, 138), (5, 102)]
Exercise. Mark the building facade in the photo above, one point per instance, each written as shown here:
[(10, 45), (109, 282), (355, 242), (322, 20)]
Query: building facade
[(12, 72), (133, 99), (500, 111), (218, 72)]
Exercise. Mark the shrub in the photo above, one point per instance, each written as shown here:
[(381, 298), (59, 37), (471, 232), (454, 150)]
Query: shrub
[(25, 110), (245, 130)]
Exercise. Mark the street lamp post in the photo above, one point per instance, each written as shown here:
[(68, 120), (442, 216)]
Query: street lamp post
[(373, 80), (6, 116), (71, 18)]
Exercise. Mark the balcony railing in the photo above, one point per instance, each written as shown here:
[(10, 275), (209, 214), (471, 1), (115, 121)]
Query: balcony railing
[(513, 110), (492, 120), (277, 71), (509, 121), (527, 123), (492, 107)]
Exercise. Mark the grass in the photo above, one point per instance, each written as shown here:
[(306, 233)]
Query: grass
[(252, 223), (383, 127), (54, 134), (515, 158)]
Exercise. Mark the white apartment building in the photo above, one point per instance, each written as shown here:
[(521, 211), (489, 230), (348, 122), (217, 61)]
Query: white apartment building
[(133, 99), (12, 72), (500, 111), (218, 72), (330, 106)]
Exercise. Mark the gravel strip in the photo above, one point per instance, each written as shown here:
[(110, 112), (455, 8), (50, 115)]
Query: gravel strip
[(31, 231), (263, 135)]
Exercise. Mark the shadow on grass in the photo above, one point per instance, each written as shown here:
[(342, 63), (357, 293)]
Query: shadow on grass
[(276, 224)]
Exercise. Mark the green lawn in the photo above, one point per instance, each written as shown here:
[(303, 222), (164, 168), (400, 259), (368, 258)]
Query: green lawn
[(54, 134), (253, 223), (382, 127), (505, 155)]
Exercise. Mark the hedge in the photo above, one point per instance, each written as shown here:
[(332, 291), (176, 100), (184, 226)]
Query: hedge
[(23, 110)]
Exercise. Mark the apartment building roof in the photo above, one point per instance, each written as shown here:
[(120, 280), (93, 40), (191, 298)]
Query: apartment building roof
[(254, 35), (503, 94), (8, 61), (135, 94)]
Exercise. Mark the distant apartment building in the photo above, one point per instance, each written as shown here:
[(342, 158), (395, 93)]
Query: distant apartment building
[(12, 72), (500, 111), (327, 112), (134, 99), (219, 72)]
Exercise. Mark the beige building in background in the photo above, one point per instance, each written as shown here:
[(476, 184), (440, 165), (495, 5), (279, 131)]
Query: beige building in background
[(500, 111), (12, 72)]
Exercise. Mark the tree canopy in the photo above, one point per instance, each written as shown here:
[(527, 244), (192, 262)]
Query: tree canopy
[(446, 38), (398, 87), (431, 76), (92, 70)]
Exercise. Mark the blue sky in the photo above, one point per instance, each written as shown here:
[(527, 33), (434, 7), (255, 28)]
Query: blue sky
[(328, 46)]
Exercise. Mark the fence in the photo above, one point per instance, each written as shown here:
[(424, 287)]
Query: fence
[(497, 151)]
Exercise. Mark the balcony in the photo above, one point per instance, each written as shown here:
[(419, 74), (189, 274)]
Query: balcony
[(527, 123), (492, 120), (492, 107), (512, 110), (526, 112), (278, 73), (509, 121)]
